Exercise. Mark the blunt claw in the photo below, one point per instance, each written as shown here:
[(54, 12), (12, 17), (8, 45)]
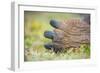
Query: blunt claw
[(49, 34), (54, 23)]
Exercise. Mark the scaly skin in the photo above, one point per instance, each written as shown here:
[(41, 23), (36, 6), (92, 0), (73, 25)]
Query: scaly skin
[(68, 34)]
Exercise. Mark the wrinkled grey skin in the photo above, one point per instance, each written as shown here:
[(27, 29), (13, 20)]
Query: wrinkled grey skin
[(68, 34)]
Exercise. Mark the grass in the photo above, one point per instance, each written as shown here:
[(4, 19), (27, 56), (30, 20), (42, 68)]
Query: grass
[(73, 53)]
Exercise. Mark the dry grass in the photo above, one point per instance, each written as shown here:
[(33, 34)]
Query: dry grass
[(73, 53)]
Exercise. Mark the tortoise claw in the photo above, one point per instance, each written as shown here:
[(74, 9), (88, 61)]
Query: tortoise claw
[(49, 34), (54, 23), (48, 46)]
